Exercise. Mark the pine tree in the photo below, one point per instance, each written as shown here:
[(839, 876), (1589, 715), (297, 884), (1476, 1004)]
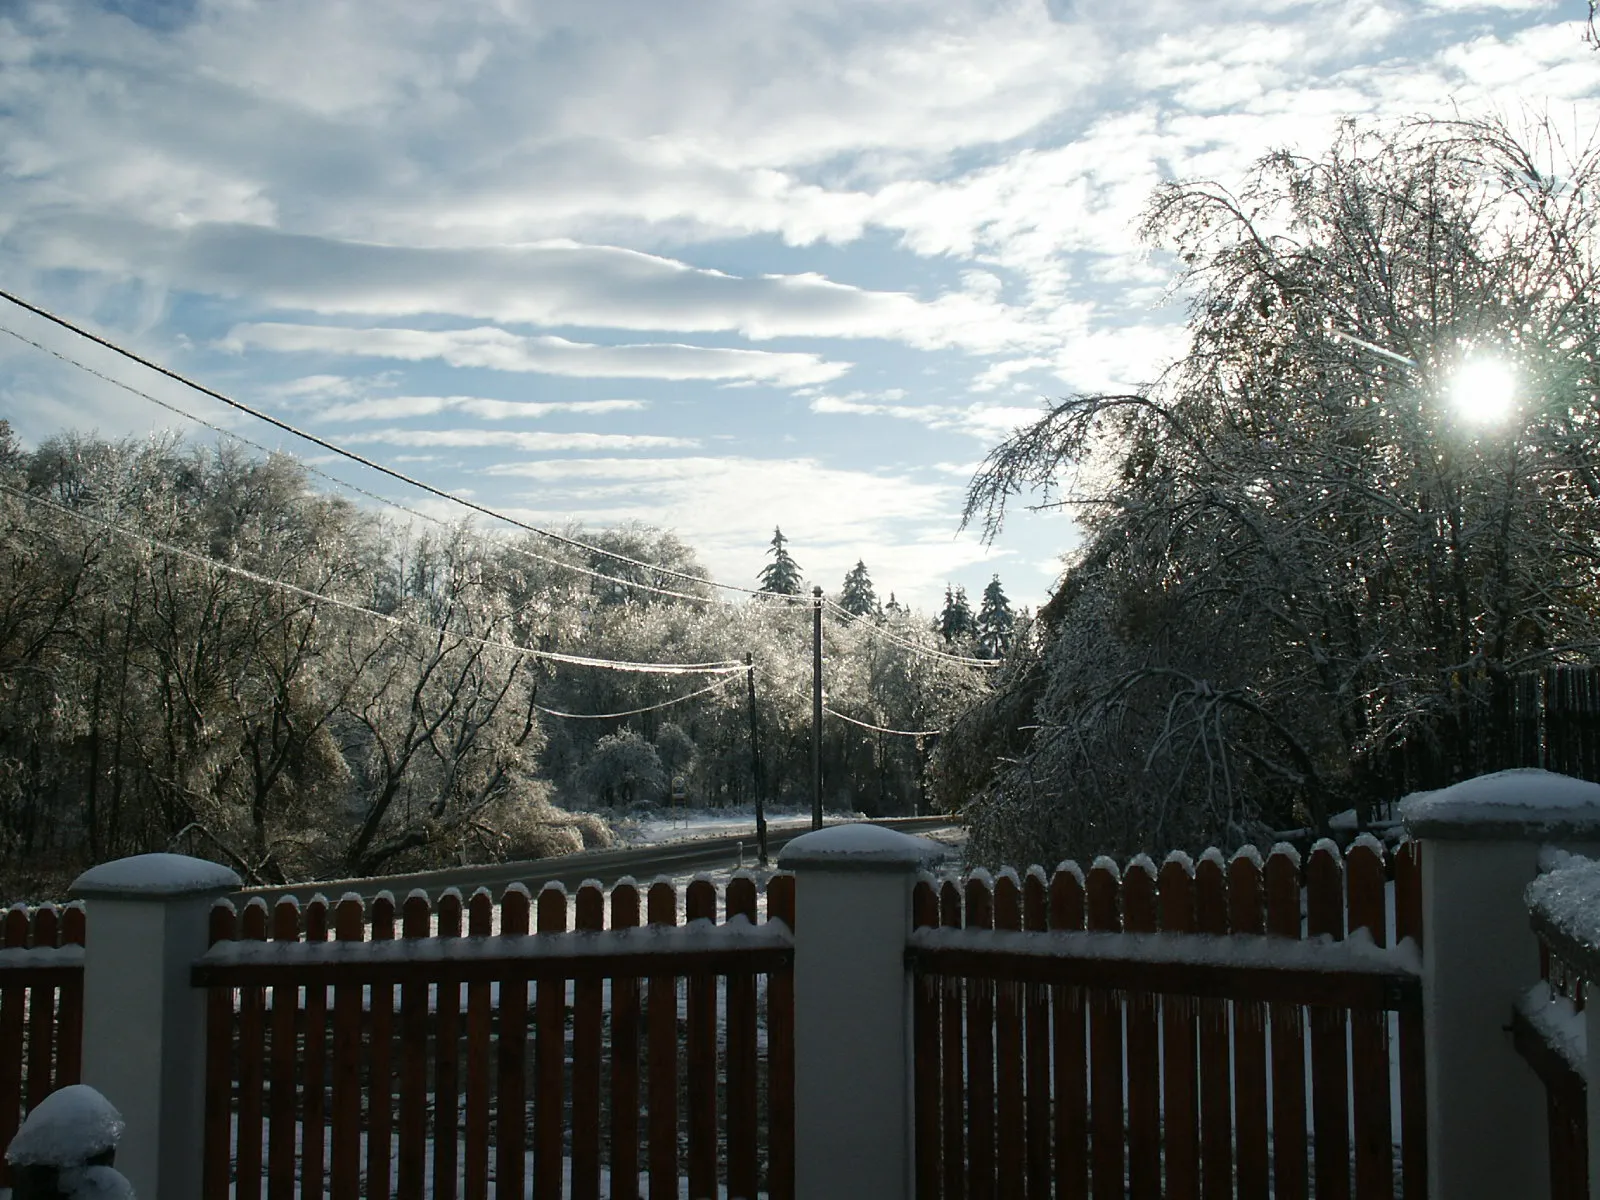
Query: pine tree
[(781, 576), (956, 622), (856, 596), (995, 621)]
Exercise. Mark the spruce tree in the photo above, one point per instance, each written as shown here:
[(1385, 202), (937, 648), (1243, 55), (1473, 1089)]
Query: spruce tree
[(956, 621), (995, 621), (856, 596), (781, 576)]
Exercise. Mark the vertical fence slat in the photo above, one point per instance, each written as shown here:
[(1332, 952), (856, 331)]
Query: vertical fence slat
[(980, 1055), (216, 1153), (1036, 1031), (1330, 1096), (1369, 1034), (41, 1014), (1106, 1067), (780, 1052), (549, 1053), (1413, 1070), (1289, 1161), (282, 1110), (1070, 1067), (349, 926), (69, 1018), (1180, 1045), (925, 1080), (624, 1058), (587, 998), (380, 1079), (446, 1069), (700, 904), (13, 1037), (475, 1163), (511, 1107), (1247, 917), (416, 922), (742, 1131), (314, 1104), (661, 1017), (1008, 1049), (952, 1061), (251, 1051), (1216, 1089), (1144, 1044)]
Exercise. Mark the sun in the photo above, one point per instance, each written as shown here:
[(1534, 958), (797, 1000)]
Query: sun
[(1483, 391)]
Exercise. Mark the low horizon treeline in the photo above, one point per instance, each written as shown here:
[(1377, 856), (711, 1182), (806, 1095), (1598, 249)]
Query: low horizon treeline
[(150, 700)]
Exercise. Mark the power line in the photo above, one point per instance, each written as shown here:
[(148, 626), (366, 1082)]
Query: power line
[(879, 631), (353, 456), (633, 712), (881, 729), (336, 480), (725, 667)]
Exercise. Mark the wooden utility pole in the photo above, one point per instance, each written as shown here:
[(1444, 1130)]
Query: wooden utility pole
[(755, 760), (816, 707)]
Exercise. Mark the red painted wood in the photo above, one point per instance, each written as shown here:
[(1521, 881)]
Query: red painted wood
[(1071, 1054), (380, 1077), (1009, 1051), (742, 1133), (1247, 917), (1369, 1036), (1139, 915), (925, 1053), (624, 1059), (411, 1177), (549, 1053), (1216, 1088), (252, 1065), (587, 998), (662, 1021), (1036, 1033), (511, 1051), (980, 1057), (1180, 1038), (1290, 1162), (314, 1104), (42, 1014), (1106, 1067), (780, 1052), (952, 1061), (1413, 1071), (700, 904), (217, 1151), (447, 1058), (475, 1161), (1329, 1089), (69, 1017), (345, 1140)]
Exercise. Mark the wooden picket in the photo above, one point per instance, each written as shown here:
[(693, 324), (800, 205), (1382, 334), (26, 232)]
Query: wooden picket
[(285, 1064), (1082, 1068)]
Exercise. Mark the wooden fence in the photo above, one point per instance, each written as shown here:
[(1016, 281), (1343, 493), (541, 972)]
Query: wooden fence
[(630, 1051), (41, 1010), (1051, 1060), (1562, 987)]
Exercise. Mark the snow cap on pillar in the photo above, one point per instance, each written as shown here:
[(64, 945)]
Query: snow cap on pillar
[(858, 847), (1521, 805), (155, 875)]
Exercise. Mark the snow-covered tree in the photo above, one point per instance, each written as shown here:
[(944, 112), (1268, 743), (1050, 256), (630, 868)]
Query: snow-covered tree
[(956, 621), (781, 576), (856, 597), (995, 621)]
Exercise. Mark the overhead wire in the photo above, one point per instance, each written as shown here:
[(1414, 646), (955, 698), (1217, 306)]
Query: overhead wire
[(336, 480), (355, 457), (879, 631), (882, 729), (723, 667), (633, 712)]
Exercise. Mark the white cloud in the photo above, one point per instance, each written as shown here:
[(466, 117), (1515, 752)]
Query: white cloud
[(518, 439), (394, 408), (499, 350)]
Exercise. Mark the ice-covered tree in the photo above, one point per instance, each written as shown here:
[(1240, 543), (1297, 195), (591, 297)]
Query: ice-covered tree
[(956, 621), (857, 597), (781, 576), (995, 621)]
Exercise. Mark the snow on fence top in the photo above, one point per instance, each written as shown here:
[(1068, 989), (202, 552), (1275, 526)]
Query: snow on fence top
[(1564, 906), (1523, 804)]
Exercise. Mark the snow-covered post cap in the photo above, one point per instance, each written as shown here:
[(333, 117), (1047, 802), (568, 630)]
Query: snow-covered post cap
[(858, 847), (1521, 805), (151, 875), (66, 1146)]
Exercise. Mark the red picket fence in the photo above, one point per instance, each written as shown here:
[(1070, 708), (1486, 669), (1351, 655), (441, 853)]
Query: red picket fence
[(1054, 1060), (1566, 1089), (630, 1048), (41, 1010)]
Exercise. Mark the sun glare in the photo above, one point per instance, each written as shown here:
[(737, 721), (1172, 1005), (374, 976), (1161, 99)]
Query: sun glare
[(1483, 391)]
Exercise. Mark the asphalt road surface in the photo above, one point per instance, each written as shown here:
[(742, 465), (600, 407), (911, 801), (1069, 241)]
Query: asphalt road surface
[(642, 862)]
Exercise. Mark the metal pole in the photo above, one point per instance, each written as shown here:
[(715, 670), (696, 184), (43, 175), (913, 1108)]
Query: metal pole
[(816, 707), (755, 760)]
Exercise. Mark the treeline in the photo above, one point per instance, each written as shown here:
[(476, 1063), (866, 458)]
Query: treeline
[(350, 697)]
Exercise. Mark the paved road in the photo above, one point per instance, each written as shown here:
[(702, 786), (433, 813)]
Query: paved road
[(642, 862)]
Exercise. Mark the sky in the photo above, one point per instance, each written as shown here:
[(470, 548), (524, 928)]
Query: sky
[(716, 266)]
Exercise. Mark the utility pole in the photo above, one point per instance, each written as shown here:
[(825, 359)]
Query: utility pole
[(816, 707), (755, 759)]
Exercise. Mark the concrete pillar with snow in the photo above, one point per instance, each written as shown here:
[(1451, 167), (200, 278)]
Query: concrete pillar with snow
[(144, 1024), (853, 1049), (1481, 839)]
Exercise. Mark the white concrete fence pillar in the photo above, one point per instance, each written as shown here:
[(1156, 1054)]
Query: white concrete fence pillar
[(1487, 1132), (853, 1048), (144, 1025)]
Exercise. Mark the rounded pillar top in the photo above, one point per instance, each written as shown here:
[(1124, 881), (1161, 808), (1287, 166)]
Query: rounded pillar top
[(152, 876), (858, 846), (1521, 805)]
